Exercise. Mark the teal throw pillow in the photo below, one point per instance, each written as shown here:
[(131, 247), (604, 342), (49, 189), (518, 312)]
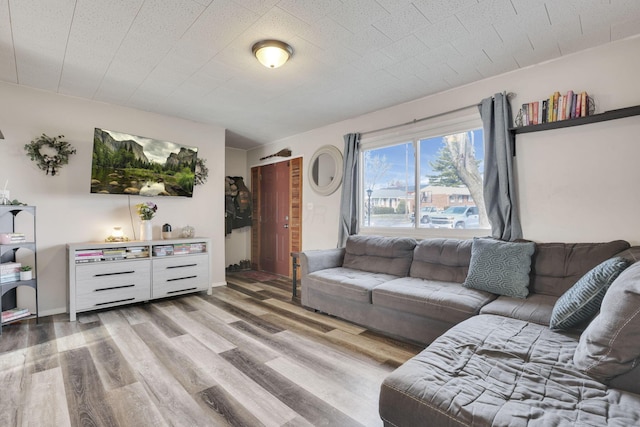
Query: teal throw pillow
[(500, 267), (582, 300)]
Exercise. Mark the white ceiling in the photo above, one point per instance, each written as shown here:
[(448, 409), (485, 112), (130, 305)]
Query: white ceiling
[(192, 58)]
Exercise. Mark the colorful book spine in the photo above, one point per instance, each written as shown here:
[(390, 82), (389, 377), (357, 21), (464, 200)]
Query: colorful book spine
[(555, 108), (569, 105), (14, 313)]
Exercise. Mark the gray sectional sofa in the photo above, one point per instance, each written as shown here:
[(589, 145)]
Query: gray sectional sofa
[(492, 359)]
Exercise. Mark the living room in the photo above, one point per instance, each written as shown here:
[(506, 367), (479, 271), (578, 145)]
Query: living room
[(570, 181)]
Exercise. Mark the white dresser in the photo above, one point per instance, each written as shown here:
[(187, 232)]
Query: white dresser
[(105, 275)]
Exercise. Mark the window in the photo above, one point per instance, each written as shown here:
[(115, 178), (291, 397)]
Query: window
[(430, 180)]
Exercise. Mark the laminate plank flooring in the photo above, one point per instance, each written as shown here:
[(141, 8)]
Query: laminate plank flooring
[(247, 355)]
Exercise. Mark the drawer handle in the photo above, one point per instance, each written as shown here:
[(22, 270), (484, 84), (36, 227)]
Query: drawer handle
[(181, 290), (114, 287), (181, 278), (113, 274), (181, 266), (114, 302)]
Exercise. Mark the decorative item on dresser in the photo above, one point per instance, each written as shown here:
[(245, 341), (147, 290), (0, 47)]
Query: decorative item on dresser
[(105, 275), (146, 211)]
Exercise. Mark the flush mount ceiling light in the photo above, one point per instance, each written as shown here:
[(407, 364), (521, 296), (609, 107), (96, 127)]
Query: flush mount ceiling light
[(272, 53)]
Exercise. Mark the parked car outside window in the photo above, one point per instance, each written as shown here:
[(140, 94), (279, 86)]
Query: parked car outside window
[(425, 213), (456, 217)]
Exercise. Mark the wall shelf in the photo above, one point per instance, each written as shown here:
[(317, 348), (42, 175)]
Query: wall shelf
[(602, 117)]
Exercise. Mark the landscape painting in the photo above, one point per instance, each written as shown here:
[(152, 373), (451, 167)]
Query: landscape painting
[(135, 165)]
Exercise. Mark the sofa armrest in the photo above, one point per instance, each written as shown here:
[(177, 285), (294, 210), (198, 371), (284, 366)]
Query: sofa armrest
[(311, 261)]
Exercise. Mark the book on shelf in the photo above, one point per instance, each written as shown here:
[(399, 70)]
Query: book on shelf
[(9, 277), (138, 255), (10, 267), (584, 108), (181, 248), (569, 105), (14, 313), (114, 254), (555, 108), (198, 248), (89, 253), (134, 249), (87, 260), (162, 250)]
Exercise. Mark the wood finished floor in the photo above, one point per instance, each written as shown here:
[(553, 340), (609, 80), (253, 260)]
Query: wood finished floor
[(245, 356)]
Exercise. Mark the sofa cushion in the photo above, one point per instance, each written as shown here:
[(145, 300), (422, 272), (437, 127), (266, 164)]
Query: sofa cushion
[(445, 260), (535, 308), (500, 267), (378, 254), (556, 267), (496, 371), (347, 283), (610, 345), (446, 301), (582, 301)]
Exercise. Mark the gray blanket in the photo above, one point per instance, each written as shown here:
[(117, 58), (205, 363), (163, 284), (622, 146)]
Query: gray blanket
[(496, 371)]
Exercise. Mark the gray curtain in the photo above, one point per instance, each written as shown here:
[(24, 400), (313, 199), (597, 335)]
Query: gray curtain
[(349, 197), (499, 176)]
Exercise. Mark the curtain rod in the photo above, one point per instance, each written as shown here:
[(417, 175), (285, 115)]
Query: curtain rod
[(509, 95), (420, 120)]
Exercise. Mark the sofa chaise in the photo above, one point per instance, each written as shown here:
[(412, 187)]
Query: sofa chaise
[(495, 356)]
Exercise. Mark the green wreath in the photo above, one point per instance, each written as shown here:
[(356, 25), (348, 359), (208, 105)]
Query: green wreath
[(44, 161), (202, 172)]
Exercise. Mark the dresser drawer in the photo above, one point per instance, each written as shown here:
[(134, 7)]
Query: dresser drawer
[(101, 285), (180, 274)]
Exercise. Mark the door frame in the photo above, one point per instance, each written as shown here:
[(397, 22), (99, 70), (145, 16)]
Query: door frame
[(295, 211)]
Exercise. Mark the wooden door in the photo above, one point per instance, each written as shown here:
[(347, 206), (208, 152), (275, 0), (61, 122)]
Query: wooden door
[(276, 232)]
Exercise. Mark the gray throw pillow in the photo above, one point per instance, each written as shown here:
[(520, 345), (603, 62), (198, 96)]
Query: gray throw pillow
[(500, 267), (610, 346), (582, 300)]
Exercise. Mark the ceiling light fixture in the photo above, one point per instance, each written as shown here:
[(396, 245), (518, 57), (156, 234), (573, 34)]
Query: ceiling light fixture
[(272, 53)]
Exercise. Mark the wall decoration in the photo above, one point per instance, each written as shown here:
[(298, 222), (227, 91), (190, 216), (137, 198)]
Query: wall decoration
[(46, 162), (202, 172), (285, 152), (123, 163), (237, 204)]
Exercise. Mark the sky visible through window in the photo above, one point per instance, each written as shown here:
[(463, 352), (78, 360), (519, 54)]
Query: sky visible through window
[(401, 159)]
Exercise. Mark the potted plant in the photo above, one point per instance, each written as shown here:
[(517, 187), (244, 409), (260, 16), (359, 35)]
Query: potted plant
[(26, 273)]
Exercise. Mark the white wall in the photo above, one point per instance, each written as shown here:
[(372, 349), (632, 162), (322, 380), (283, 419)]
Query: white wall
[(238, 243), (574, 185), (66, 211)]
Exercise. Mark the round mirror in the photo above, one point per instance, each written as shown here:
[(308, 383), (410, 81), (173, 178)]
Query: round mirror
[(325, 170)]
